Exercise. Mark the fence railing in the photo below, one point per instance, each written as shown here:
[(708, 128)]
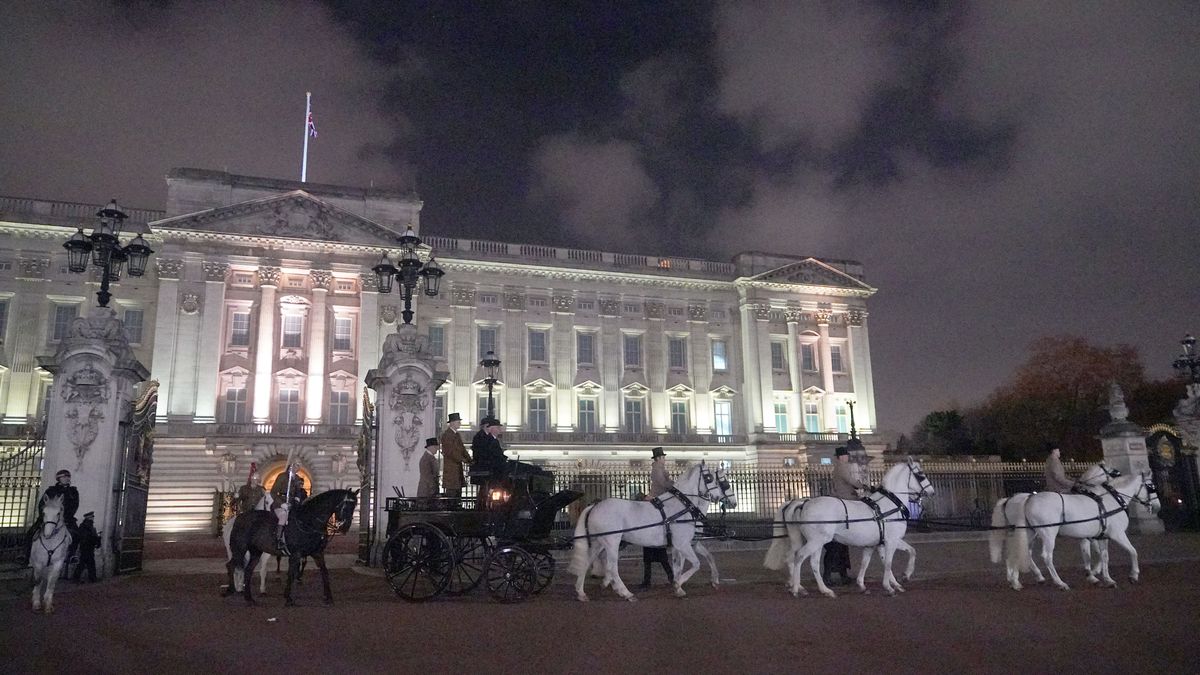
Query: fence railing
[(964, 491)]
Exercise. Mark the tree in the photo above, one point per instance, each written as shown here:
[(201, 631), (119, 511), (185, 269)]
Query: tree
[(943, 432)]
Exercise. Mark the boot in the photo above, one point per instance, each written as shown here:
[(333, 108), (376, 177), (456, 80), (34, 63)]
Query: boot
[(280, 543)]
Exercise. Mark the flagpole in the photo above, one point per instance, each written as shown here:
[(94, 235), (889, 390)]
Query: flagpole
[(307, 112)]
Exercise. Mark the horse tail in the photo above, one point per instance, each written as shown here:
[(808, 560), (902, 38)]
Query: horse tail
[(999, 530), (579, 559), (1018, 553), (777, 554)]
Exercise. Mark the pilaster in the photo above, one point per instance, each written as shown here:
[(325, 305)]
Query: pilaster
[(264, 351), (166, 324), (314, 395), (795, 399), (828, 401), (860, 366), (368, 327), (212, 341)]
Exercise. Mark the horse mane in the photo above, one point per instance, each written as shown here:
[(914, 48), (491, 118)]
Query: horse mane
[(327, 500), (56, 500)]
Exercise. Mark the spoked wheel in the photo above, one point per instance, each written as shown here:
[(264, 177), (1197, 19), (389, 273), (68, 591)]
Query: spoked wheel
[(470, 557), (510, 574), (543, 567), (417, 561)]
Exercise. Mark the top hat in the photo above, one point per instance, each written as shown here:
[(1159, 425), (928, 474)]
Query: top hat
[(430, 442), (61, 473), (454, 417), (89, 514), (656, 453), (841, 450), (491, 422)]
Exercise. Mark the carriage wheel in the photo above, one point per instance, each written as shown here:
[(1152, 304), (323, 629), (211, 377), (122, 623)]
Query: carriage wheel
[(543, 564), (470, 557), (417, 561), (510, 574)]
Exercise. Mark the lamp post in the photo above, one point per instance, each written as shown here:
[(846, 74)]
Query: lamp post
[(853, 444), (1188, 364), (492, 365), (408, 271), (103, 246)]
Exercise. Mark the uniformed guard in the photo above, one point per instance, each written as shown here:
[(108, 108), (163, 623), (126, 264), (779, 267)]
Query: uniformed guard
[(88, 541), (287, 491), (454, 457), (250, 494)]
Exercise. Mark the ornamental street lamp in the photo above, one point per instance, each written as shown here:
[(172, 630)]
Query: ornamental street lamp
[(409, 272), (853, 445), (1188, 363), (492, 365), (104, 247)]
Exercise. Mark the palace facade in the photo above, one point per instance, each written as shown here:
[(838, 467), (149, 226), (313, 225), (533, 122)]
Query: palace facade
[(260, 316)]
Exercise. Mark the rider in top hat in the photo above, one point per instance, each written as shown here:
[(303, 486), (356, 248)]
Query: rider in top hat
[(1056, 475), (428, 484), (454, 456), (486, 449)]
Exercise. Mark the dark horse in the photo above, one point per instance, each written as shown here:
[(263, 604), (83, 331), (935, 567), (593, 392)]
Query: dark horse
[(306, 534)]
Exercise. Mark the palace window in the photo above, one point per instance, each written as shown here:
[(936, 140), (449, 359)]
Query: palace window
[(778, 360), (843, 419), (723, 418), (132, 319), (587, 416), (586, 305), (633, 415), (340, 409), (812, 418), (674, 311), (63, 316), (633, 351), (781, 418), (239, 335), (835, 358), (289, 407), (439, 410), (539, 413), (489, 299), (293, 331), (808, 357), (536, 301), (235, 406), (679, 417), (632, 308), (343, 334), (677, 353), (720, 361), (481, 406), (487, 341), (585, 348), (437, 341), (537, 346)]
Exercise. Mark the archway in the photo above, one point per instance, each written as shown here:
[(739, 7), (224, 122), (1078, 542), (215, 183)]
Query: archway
[(274, 470)]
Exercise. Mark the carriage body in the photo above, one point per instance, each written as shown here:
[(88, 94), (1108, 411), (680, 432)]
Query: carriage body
[(503, 538)]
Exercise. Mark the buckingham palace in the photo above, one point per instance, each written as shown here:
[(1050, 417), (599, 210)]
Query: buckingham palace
[(260, 316)]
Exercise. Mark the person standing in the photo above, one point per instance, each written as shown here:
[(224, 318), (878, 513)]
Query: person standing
[(660, 484), (89, 541), (488, 455), (1055, 474), (454, 457), (427, 485), (847, 484)]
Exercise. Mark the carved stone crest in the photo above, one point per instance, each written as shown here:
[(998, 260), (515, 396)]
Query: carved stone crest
[(169, 268), (462, 296), (86, 385), (388, 313), (655, 310), (408, 401), (297, 219), (34, 268), (610, 306), (190, 303), (563, 302), (514, 300), (83, 426)]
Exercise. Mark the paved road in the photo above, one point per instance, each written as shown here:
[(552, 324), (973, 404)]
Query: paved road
[(956, 616)]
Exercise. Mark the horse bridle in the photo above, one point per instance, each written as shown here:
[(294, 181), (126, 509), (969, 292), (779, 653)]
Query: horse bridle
[(1151, 491), (922, 482), (708, 478)]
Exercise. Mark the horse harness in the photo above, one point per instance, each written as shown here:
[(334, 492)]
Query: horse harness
[(58, 525), (688, 507), (878, 514)]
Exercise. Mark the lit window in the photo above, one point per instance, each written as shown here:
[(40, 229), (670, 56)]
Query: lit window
[(677, 353), (63, 316), (808, 357), (723, 417), (289, 406), (539, 413), (843, 420), (240, 335), (235, 406), (481, 407), (812, 418), (343, 333), (437, 341), (537, 346), (633, 415), (679, 417), (293, 327), (778, 362), (587, 416), (781, 418), (339, 408), (835, 358), (487, 341), (585, 348), (633, 351), (719, 360), (132, 319), (439, 410)]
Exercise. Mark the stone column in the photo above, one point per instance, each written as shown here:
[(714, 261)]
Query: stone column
[(368, 327), (166, 323), (609, 346), (404, 386), (766, 379), (314, 392), (264, 351), (860, 366), (752, 375), (29, 312), (796, 403), (212, 341), (95, 373), (563, 318), (1124, 445), (828, 401)]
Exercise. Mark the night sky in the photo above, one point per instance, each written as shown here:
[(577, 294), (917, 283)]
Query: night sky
[(1004, 170)]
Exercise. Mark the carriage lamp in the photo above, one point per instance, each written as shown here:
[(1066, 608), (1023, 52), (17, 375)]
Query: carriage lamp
[(103, 247), (491, 364), (409, 272), (498, 496)]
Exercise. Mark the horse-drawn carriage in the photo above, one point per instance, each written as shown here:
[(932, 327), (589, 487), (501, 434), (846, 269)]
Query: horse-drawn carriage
[(502, 539)]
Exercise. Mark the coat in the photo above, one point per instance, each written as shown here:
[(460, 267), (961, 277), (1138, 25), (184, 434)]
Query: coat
[(279, 491), (1056, 476), (454, 456), (847, 480), (660, 482), (488, 454), (248, 497), (427, 486)]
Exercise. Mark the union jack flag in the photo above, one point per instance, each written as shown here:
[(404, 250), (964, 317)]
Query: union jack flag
[(312, 126)]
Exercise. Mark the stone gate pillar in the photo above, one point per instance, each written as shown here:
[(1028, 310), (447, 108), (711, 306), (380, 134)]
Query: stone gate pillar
[(404, 384), (1124, 445), (95, 374)]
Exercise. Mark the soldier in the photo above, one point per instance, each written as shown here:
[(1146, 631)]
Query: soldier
[(1056, 475), (88, 542), (427, 486), (70, 500), (660, 484), (282, 500), (847, 484), (454, 456), (250, 494)]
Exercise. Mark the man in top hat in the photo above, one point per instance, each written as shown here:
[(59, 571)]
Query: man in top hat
[(454, 456), (427, 486), (88, 541), (486, 450), (847, 484), (1055, 474), (70, 501), (660, 484)]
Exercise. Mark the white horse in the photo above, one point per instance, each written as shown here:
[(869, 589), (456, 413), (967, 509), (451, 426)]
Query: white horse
[(1008, 516), (48, 554), (821, 520), (600, 565), (640, 522), (264, 504), (1049, 514)]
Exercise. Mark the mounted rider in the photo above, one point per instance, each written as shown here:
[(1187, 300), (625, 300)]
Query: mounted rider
[(287, 491), (250, 494), (70, 501), (1055, 475)]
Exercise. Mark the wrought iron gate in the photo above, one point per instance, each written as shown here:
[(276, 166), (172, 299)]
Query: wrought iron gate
[(20, 487), (1174, 466), (134, 486), (366, 471)]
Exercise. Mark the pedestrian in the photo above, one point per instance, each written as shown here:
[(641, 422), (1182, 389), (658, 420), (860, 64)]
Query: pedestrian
[(427, 485), (454, 458), (847, 484), (660, 484), (88, 541), (1055, 474)]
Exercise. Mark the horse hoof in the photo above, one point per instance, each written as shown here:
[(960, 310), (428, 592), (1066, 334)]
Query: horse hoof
[(1041, 581), (829, 594), (1134, 580), (1064, 587), (1110, 584), (716, 584), (1093, 580), (679, 592), (581, 597), (631, 598), (49, 609), (864, 590)]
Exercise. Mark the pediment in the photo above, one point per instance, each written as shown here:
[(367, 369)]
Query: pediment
[(293, 215), (539, 386), (811, 272)]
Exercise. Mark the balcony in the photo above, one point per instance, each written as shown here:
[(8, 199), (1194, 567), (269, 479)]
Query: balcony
[(804, 438), (249, 430), (616, 438)]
